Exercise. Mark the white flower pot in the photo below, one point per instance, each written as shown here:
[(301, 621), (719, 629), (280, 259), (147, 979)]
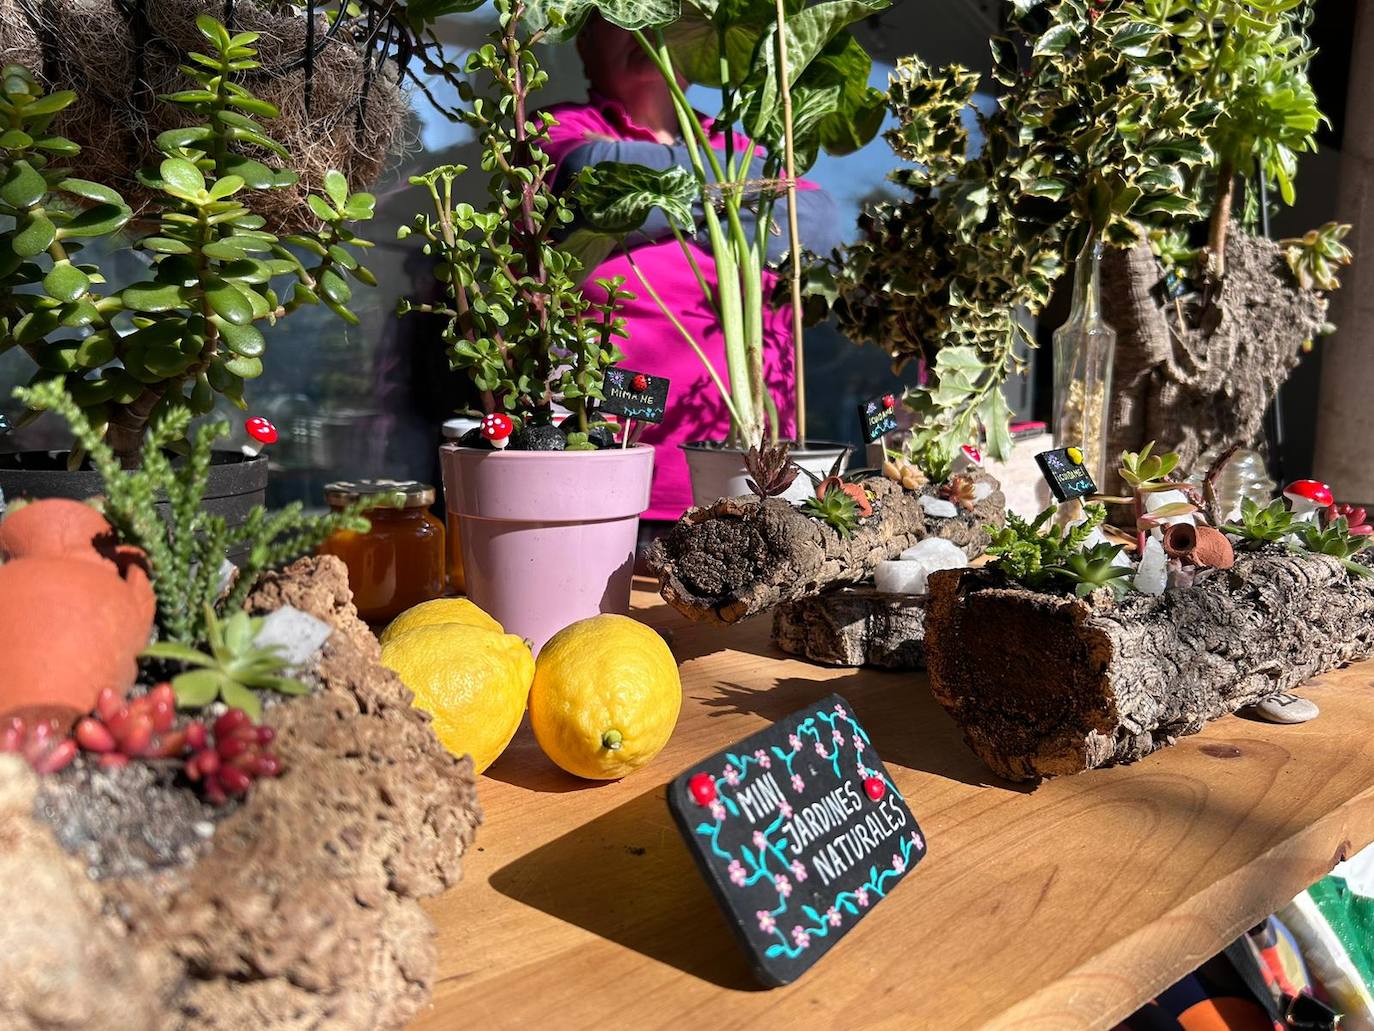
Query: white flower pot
[(718, 471)]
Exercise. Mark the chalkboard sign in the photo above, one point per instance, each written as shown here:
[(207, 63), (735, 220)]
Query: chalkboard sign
[(800, 832), (1063, 468), (878, 417), (634, 395)]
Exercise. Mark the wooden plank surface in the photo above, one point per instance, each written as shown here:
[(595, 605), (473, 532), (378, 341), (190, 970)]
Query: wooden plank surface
[(1062, 907)]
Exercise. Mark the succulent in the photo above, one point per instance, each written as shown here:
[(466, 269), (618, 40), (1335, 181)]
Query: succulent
[(1337, 541), (40, 743), (1356, 519), (1087, 571), (236, 752), (1035, 553), (186, 548), (171, 341), (899, 470), (959, 489), (1315, 256), (1261, 526), (771, 469), (836, 508), (234, 668), (138, 728)]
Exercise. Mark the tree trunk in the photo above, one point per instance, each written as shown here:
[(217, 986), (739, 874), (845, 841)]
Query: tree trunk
[(1345, 420), (1192, 374), (740, 556), (854, 626), (1046, 685)]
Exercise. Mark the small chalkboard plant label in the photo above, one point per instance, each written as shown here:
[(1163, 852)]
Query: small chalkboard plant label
[(878, 417), (800, 832), (634, 395), (1063, 470)]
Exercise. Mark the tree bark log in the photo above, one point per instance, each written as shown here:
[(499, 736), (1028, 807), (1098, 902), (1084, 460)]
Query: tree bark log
[(855, 626), (1045, 685), (1204, 379), (740, 556)]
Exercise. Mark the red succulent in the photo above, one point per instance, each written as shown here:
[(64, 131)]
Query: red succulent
[(1356, 519), (41, 742)]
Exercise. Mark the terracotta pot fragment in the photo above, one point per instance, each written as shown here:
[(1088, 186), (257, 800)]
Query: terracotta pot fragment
[(56, 527), (1199, 546)]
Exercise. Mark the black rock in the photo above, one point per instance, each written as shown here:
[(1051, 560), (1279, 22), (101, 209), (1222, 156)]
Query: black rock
[(539, 438), (474, 438)]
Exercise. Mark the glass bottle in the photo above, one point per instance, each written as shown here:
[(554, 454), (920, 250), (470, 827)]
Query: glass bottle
[(1083, 350), (401, 560)]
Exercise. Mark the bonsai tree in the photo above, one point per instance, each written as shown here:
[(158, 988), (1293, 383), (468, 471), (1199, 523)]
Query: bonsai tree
[(190, 328), (795, 93), (1135, 123), (515, 316)]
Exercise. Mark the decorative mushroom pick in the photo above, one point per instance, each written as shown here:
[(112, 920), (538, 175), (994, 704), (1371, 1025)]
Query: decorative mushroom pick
[(968, 458), (889, 401), (640, 383), (702, 788), (260, 434), (497, 428), (1305, 497)]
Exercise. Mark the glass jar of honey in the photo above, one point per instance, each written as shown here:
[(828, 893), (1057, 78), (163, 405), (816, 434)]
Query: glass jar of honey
[(401, 561)]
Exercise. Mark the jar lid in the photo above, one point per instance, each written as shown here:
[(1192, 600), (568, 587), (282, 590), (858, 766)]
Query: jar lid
[(387, 493)]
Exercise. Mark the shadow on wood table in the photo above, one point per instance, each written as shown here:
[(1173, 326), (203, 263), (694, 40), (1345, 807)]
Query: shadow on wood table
[(626, 876)]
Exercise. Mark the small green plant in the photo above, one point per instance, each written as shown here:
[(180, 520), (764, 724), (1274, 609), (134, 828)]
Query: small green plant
[(517, 320), (836, 508), (1261, 526), (1337, 541), (771, 469), (171, 341), (1095, 568), (1036, 553), (232, 670), (1314, 257), (187, 545), (1147, 473)]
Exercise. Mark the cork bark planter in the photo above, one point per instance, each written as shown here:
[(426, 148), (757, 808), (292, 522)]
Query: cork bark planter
[(1046, 685)]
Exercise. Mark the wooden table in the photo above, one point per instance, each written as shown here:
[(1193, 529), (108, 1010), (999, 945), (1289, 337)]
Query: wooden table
[(1056, 908)]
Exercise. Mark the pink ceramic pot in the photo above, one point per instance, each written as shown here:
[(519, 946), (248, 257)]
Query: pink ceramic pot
[(548, 536)]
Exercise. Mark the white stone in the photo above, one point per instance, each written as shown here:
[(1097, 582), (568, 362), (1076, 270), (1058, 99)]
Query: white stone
[(936, 549), (910, 574), (227, 572), (297, 636), (938, 507), (1152, 575), (898, 577), (1155, 500), (981, 490), (1283, 708)]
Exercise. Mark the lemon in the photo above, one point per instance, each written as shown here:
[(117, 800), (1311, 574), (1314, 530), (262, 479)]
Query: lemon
[(605, 698), (473, 681), (439, 611)]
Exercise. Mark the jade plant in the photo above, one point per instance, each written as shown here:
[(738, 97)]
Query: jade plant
[(185, 547), (796, 92), (1127, 122), (515, 317), (190, 329)]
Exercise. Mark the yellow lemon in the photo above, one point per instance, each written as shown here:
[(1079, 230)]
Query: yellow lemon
[(474, 682), (436, 612), (605, 698)]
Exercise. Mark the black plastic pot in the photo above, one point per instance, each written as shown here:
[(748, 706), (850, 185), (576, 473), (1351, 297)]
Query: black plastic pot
[(237, 483)]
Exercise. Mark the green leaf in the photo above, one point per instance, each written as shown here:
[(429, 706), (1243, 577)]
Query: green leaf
[(336, 186), (50, 104), (229, 303), (615, 197), (100, 220), (153, 297), (183, 178), (564, 18), (239, 697), (245, 368), (36, 237), (15, 139), (65, 281), (996, 418), (98, 192), (322, 210), (226, 186), (23, 186), (164, 245), (334, 287), (1055, 41), (197, 688), (242, 340)]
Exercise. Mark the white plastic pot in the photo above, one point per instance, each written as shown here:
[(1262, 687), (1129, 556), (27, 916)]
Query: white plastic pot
[(718, 472)]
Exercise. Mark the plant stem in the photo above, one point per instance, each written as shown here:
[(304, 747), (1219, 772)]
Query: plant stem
[(793, 230), (1221, 215)]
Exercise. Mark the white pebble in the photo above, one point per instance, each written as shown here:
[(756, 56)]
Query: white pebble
[(911, 573), (981, 490), (1155, 500), (297, 635), (938, 507), (936, 549), (1152, 575)]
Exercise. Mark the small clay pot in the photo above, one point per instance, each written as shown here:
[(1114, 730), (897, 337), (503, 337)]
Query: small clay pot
[(1199, 546), (55, 528)]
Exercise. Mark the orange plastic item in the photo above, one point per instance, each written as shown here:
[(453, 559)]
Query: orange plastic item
[(402, 560)]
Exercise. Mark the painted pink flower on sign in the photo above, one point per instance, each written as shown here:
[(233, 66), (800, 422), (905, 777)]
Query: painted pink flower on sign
[(833, 915), (761, 757), (917, 840), (800, 937), (760, 841), (820, 750), (783, 885), (797, 783), (858, 743), (798, 871), (794, 741), (837, 735), (898, 864), (766, 921), (785, 809), (861, 897), (736, 871), (731, 775), (717, 809), (840, 711)]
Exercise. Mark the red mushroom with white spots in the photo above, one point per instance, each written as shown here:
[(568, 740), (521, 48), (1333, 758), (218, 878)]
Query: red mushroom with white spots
[(260, 434), (968, 459), (497, 428), (1306, 498)]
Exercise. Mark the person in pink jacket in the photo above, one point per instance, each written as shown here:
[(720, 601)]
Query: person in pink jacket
[(629, 117)]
